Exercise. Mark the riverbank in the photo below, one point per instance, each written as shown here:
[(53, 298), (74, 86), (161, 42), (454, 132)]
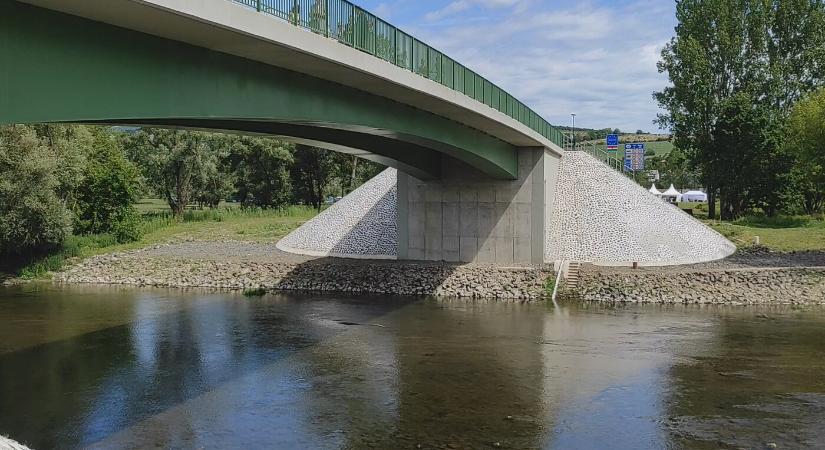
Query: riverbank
[(242, 265), (752, 276)]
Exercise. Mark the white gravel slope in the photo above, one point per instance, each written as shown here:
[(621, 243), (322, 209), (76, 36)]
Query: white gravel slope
[(361, 225), (603, 217)]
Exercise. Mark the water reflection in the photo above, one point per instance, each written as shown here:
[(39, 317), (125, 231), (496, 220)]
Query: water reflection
[(115, 368), (757, 384)]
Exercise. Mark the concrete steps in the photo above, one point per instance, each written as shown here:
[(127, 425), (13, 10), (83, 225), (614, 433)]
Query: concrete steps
[(572, 275)]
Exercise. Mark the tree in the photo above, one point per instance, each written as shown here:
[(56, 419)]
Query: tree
[(350, 172), (215, 182), (749, 171), (71, 144), (109, 189), (32, 216), (311, 174), (725, 48), (805, 141), (173, 162), (261, 171)]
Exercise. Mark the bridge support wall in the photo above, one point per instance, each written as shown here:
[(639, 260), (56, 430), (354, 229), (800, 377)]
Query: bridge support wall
[(468, 217)]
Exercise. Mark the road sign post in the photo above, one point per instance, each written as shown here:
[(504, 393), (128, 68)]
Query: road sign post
[(634, 157), (612, 142)]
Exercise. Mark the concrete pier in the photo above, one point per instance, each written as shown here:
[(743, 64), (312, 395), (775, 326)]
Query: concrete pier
[(467, 217)]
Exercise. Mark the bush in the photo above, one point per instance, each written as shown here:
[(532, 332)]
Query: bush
[(105, 199), (32, 217)]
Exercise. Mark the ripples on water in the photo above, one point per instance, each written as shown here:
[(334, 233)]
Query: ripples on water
[(134, 368)]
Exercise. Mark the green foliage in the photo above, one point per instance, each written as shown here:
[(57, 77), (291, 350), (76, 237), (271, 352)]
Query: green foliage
[(674, 168), (549, 286), (109, 189), (32, 216), (805, 140), (254, 292), (350, 171), (173, 163), (311, 174), (261, 171), (748, 168), (736, 66)]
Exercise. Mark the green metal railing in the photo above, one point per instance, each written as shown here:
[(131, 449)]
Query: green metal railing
[(595, 150), (357, 28)]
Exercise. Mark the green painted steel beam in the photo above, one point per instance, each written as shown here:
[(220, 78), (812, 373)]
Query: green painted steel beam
[(60, 68)]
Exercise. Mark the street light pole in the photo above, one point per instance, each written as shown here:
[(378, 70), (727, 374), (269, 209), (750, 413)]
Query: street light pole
[(573, 115)]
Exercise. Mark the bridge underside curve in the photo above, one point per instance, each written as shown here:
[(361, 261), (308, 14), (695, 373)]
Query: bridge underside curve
[(62, 68), (419, 161)]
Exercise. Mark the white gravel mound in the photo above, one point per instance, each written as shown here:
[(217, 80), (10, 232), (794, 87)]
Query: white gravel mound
[(603, 217), (599, 216), (361, 225)]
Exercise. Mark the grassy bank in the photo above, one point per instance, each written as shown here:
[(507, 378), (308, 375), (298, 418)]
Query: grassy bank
[(158, 227), (783, 234)]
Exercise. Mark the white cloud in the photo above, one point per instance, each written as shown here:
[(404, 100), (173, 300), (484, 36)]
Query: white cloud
[(383, 10), (598, 60), (458, 6)]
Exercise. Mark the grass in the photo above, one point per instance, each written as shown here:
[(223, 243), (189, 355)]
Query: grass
[(157, 227), (157, 205), (780, 233), (549, 286), (783, 233)]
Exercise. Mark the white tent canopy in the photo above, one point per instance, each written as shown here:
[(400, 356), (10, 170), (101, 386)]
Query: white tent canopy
[(671, 192), (694, 196), (653, 190)]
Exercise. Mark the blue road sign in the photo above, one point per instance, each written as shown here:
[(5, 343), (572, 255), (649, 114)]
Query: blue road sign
[(634, 157), (612, 141)]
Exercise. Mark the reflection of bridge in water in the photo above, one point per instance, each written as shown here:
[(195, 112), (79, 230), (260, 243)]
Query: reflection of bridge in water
[(124, 368)]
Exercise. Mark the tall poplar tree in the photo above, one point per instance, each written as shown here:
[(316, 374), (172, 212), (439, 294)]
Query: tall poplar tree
[(727, 53)]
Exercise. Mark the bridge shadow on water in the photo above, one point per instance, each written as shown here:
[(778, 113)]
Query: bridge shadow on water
[(283, 371), (75, 391)]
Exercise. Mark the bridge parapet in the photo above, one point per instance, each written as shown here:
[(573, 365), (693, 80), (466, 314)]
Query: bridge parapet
[(355, 27)]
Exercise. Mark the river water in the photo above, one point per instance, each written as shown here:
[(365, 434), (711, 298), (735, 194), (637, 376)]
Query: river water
[(136, 368)]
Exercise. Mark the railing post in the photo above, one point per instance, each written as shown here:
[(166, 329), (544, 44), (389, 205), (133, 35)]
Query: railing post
[(326, 13), (258, 5), (296, 12)]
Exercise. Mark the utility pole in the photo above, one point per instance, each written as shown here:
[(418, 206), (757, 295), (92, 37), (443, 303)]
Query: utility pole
[(573, 115)]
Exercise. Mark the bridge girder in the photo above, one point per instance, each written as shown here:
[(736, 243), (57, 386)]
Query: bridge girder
[(60, 68)]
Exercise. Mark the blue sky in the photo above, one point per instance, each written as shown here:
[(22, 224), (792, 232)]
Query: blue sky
[(594, 58)]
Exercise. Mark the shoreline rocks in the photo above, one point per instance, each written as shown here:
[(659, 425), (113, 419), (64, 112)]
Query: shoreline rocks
[(730, 287), (744, 279), (322, 275)]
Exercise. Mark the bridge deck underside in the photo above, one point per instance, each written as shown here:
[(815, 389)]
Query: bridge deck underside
[(60, 68)]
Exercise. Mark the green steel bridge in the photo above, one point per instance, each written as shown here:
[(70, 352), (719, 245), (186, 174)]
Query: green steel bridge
[(340, 78)]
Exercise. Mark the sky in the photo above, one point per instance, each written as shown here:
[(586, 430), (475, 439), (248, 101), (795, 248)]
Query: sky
[(593, 58)]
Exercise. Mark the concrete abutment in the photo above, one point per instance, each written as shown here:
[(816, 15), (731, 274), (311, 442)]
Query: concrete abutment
[(468, 217)]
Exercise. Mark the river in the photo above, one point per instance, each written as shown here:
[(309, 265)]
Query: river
[(110, 367)]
